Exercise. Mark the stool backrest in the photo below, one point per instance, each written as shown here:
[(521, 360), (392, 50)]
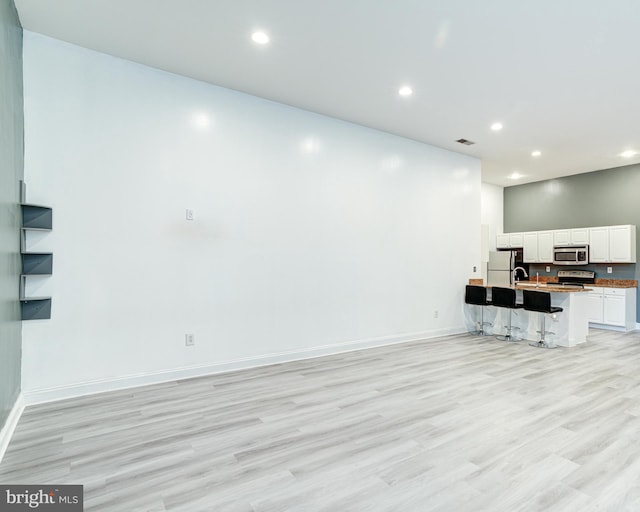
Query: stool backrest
[(537, 301), (503, 297), (475, 294)]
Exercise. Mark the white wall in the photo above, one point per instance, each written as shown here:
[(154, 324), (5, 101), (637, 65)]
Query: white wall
[(492, 218), (311, 234), (492, 211)]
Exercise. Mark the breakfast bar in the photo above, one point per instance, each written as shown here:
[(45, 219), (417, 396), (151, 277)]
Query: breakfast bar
[(570, 327)]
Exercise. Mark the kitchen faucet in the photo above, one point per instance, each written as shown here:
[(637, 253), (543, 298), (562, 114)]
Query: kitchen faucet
[(515, 273)]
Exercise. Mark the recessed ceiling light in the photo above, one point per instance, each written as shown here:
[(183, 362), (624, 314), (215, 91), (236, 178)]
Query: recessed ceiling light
[(515, 176), (405, 90), (496, 127), (536, 153), (629, 153), (260, 37)]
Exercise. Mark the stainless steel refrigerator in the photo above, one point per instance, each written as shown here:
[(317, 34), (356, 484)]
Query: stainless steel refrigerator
[(500, 268)]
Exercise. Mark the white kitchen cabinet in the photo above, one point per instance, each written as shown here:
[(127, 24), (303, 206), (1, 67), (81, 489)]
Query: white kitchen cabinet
[(537, 246), (509, 241), (599, 244), (580, 236), (614, 310), (545, 246), (502, 241), (607, 244), (515, 240), (622, 244), (562, 237), (612, 307), (530, 247), (612, 244), (595, 300), (575, 236)]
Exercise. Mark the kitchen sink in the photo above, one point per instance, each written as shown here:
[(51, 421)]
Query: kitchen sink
[(530, 285)]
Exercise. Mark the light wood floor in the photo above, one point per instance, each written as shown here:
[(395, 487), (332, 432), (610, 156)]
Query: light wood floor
[(458, 423)]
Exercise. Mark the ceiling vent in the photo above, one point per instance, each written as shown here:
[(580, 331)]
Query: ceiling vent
[(466, 142)]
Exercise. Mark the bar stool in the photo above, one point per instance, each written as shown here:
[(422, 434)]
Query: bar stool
[(477, 296), (505, 298), (540, 302)]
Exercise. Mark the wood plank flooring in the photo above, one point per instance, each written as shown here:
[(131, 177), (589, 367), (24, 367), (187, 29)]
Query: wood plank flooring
[(458, 423)]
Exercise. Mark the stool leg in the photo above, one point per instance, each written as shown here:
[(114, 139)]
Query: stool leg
[(508, 336), (483, 323), (477, 328), (542, 342)]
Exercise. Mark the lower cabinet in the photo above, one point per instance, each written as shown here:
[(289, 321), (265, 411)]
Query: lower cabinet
[(596, 305), (615, 307)]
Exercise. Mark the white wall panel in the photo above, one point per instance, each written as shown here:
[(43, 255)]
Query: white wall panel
[(492, 212), (309, 232)]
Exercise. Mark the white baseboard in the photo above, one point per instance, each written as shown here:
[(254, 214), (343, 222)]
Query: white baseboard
[(37, 396), (607, 327), (10, 425)]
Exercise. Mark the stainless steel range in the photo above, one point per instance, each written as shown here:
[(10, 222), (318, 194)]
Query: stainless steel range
[(576, 278)]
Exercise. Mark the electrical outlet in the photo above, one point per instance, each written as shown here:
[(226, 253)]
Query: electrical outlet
[(475, 269), (609, 270), (548, 268), (435, 314), (190, 214), (189, 340)]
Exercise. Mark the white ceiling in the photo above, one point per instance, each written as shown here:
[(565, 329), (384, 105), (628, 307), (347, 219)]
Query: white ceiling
[(561, 75)]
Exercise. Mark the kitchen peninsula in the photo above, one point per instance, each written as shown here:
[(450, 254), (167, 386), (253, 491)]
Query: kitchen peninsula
[(570, 327), (587, 301)]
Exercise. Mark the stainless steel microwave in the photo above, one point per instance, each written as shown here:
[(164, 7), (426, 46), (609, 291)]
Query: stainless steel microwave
[(575, 255)]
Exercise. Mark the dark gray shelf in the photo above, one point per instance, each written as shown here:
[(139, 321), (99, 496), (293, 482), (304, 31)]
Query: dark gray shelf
[(36, 217), (37, 263), (35, 308)]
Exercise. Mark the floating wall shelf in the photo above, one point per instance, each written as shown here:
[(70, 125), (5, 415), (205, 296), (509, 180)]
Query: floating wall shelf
[(34, 218)]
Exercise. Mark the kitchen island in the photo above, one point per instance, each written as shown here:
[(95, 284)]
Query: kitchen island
[(571, 326)]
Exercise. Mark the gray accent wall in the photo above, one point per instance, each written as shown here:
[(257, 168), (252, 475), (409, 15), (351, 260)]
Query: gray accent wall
[(602, 198), (11, 172)]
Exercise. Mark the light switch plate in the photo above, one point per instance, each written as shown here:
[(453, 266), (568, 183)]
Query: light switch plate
[(190, 214), (548, 268)]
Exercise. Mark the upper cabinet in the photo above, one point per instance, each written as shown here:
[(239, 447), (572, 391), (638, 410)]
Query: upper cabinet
[(509, 240), (607, 244), (530, 247), (580, 236), (561, 237), (545, 246), (599, 246), (576, 236), (622, 244), (538, 247), (612, 244), (502, 241), (515, 240)]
